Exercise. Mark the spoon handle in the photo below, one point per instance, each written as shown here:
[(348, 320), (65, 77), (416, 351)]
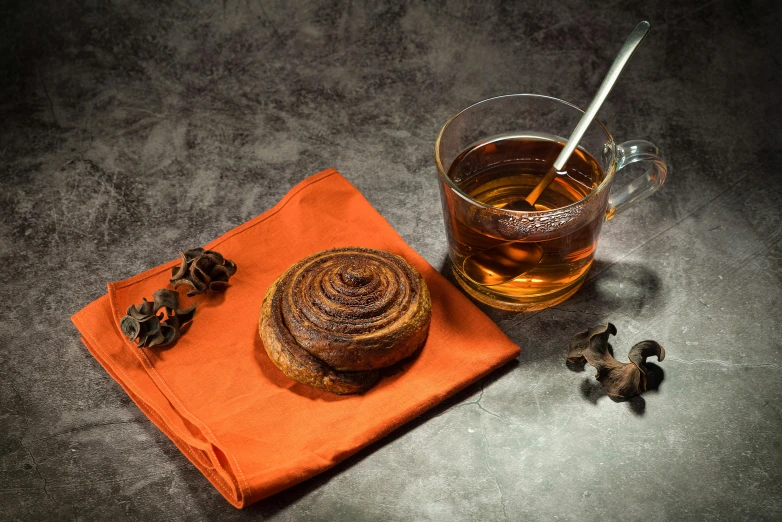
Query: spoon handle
[(627, 50)]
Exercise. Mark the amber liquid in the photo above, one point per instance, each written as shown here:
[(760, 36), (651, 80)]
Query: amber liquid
[(500, 172)]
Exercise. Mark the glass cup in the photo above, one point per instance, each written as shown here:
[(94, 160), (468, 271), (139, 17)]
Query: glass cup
[(529, 260)]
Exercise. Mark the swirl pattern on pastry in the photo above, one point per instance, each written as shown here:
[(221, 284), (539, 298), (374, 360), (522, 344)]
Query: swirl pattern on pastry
[(335, 318)]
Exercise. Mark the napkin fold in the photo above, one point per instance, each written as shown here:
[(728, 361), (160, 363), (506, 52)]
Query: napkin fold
[(250, 430)]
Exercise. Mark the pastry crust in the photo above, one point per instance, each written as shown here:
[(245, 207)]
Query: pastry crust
[(335, 318)]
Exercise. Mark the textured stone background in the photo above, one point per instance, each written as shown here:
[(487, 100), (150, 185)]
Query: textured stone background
[(133, 129)]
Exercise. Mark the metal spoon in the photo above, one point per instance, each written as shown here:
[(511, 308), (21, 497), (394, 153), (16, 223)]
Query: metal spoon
[(507, 261)]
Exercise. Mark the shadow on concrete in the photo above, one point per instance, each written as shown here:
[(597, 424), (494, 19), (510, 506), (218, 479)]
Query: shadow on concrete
[(269, 506), (627, 287)]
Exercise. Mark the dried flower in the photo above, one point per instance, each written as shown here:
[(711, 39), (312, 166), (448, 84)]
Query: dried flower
[(149, 328), (202, 270), (621, 380)]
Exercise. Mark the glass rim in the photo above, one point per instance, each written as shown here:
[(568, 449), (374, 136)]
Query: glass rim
[(444, 175)]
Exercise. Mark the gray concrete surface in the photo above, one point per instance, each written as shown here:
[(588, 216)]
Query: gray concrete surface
[(201, 115)]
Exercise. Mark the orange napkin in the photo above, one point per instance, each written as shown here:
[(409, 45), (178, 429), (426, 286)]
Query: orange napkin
[(249, 429)]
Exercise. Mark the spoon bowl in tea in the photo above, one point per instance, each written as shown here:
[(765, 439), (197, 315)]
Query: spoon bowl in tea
[(511, 259), (493, 265)]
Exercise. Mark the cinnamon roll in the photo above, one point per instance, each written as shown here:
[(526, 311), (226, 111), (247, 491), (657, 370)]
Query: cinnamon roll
[(335, 318)]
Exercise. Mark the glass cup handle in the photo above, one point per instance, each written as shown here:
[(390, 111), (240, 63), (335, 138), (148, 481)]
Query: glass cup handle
[(645, 185)]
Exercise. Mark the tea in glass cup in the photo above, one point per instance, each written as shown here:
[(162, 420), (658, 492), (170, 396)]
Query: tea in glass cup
[(489, 158)]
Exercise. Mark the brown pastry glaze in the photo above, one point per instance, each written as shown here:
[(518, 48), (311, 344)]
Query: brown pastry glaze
[(335, 318)]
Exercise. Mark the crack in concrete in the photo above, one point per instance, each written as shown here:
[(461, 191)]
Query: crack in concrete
[(46, 92), (492, 473), (35, 466), (477, 402), (726, 364), (577, 311), (514, 321)]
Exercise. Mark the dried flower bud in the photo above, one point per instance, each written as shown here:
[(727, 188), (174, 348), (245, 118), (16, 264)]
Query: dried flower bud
[(202, 270), (149, 328), (620, 380)]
